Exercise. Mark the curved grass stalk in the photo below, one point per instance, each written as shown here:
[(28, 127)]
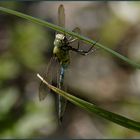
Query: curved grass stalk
[(92, 108), (60, 29)]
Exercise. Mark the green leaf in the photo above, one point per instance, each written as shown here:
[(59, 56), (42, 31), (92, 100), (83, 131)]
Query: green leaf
[(60, 29), (92, 108)]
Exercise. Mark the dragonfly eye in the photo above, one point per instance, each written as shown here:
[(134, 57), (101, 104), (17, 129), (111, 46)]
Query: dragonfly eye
[(60, 36)]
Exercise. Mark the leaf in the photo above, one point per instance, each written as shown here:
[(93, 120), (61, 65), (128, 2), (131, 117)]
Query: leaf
[(62, 30), (92, 108)]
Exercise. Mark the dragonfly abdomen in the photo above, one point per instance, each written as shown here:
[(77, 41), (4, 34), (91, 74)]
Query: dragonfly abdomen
[(62, 101)]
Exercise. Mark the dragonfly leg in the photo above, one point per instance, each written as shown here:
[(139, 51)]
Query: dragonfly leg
[(72, 40), (69, 38), (83, 52)]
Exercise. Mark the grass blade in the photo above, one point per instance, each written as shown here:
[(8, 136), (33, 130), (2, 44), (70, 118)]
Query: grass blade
[(92, 108), (62, 30)]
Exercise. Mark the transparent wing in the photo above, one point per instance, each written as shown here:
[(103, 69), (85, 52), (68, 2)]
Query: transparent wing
[(49, 77), (61, 16), (75, 41), (79, 43), (77, 30)]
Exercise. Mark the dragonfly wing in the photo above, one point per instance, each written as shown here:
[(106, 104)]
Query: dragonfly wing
[(77, 30), (49, 76), (61, 16), (74, 41)]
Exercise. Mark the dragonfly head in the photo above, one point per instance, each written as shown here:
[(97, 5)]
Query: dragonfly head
[(60, 40), (60, 36)]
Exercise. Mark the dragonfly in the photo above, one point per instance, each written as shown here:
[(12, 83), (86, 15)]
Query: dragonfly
[(61, 60)]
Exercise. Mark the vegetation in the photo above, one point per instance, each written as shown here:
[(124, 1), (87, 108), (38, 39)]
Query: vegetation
[(27, 47)]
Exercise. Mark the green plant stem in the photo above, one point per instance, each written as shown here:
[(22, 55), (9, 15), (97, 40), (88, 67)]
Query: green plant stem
[(92, 108), (60, 29)]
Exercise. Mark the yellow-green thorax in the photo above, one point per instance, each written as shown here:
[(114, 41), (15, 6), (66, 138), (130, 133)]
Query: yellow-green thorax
[(61, 50)]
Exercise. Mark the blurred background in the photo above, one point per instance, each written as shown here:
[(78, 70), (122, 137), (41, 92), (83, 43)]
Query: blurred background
[(26, 48)]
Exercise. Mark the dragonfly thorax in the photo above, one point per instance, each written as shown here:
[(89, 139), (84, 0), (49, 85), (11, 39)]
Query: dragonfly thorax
[(61, 49), (60, 40)]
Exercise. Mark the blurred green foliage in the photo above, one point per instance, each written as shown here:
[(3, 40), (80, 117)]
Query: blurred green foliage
[(21, 116)]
